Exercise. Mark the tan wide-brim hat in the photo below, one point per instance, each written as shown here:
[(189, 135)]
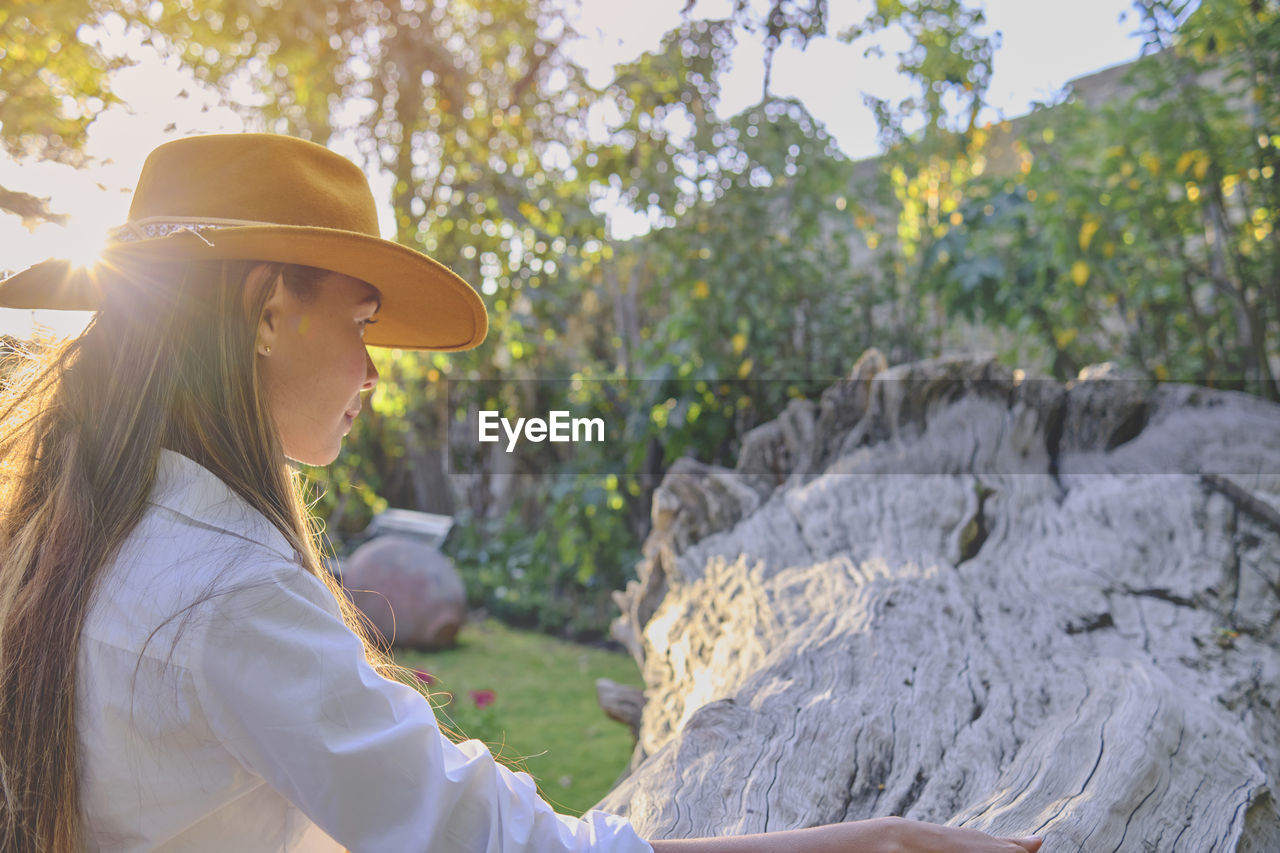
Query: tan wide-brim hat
[(257, 196)]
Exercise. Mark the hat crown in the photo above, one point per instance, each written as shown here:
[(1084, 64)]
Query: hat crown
[(255, 176)]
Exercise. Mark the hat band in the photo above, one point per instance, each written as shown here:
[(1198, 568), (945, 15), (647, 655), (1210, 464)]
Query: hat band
[(155, 227)]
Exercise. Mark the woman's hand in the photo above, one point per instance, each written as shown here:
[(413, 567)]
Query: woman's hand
[(878, 835)]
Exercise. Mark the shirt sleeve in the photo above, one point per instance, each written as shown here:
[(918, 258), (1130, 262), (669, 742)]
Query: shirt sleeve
[(284, 685)]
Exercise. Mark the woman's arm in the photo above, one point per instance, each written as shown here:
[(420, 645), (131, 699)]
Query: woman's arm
[(284, 688), (879, 835)]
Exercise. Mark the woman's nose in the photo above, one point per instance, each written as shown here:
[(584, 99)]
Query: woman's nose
[(370, 373)]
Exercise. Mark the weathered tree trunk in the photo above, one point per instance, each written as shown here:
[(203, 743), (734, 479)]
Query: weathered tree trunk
[(954, 594)]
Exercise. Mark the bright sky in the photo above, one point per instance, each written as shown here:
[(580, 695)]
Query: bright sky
[(1045, 43)]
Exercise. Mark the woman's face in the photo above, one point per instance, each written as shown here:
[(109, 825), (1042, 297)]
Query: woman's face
[(316, 365)]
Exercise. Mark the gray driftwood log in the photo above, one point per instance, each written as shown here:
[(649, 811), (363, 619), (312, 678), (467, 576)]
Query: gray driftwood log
[(956, 594)]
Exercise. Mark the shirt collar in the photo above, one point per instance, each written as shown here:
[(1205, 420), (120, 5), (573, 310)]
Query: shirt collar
[(189, 489)]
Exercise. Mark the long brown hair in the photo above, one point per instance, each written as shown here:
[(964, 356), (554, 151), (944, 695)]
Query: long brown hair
[(168, 363)]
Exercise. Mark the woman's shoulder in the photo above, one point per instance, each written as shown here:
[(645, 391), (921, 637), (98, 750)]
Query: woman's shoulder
[(197, 547), (191, 499)]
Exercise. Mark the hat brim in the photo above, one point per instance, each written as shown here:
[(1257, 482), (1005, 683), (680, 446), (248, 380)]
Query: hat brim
[(425, 305)]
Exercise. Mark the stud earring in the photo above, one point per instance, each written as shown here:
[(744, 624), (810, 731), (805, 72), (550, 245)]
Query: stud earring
[(266, 350)]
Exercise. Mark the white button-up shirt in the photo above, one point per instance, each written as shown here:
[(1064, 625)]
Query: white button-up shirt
[(222, 705)]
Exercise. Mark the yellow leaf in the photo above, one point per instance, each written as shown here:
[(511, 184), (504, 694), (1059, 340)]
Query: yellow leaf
[(701, 290), (739, 343), (1185, 160), (744, 369), (1080, 273), (1162, 372), (1087, 230), (1064, 337), (1202, 166), (956, 218)]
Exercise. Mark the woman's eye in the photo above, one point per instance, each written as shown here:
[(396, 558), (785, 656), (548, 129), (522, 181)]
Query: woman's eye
[(365, 324)]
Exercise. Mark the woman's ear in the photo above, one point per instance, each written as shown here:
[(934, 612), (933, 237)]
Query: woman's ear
[(258, 281)]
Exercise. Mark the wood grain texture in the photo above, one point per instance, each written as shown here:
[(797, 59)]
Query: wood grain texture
[(954, 594)]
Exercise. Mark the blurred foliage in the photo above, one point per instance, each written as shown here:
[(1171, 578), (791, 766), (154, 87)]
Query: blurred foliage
[(933, 147), (54, 83), (948, 60), (1142, 230)]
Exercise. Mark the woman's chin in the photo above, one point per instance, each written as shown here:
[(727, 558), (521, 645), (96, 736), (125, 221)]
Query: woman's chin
[(315, 457)]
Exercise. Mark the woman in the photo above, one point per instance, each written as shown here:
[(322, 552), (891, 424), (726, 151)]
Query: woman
[(177, 671)]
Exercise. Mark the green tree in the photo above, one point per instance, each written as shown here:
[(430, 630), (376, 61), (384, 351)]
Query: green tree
[(1140, 229), (53, 83), (932, 148)]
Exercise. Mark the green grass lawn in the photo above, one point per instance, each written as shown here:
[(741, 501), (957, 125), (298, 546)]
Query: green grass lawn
[(543, 708)]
